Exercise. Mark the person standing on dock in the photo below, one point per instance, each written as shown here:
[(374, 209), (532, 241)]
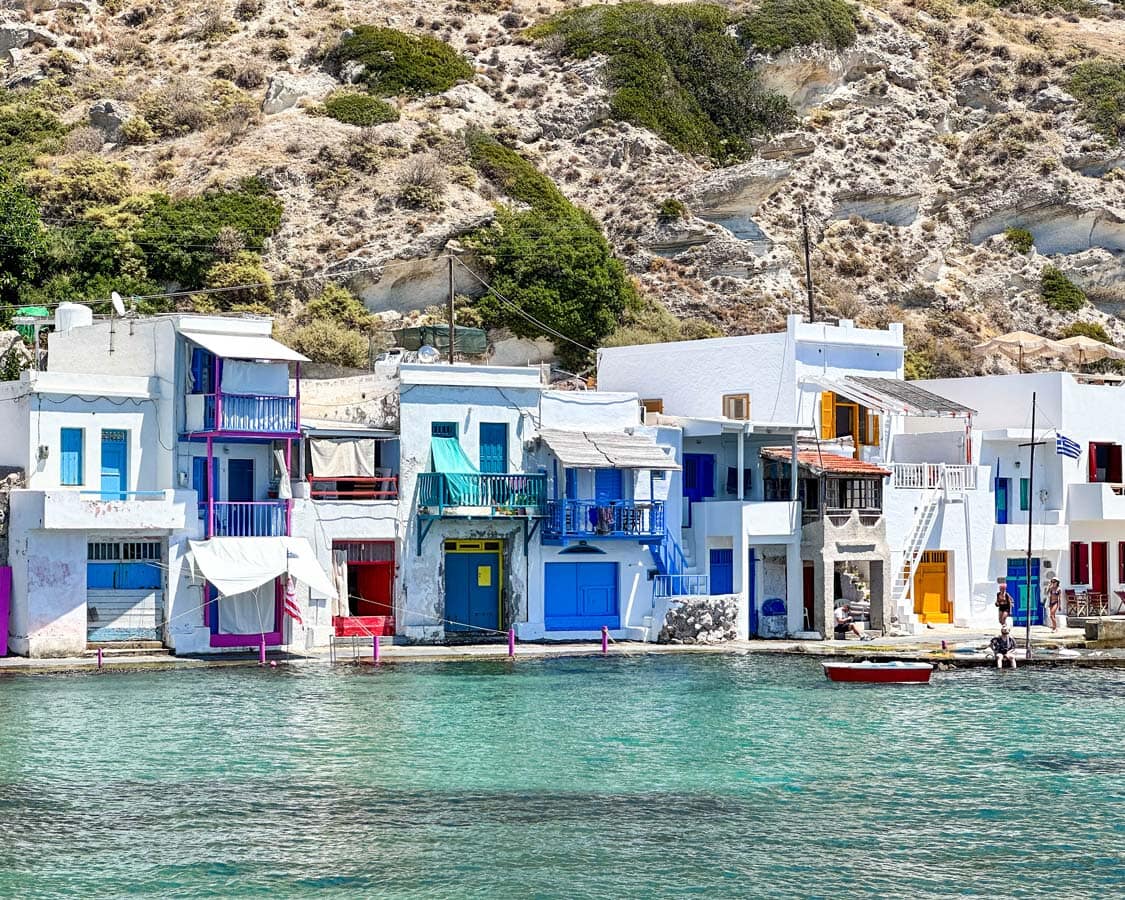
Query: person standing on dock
[(1003, 602), (1054, 601), (1004, 646)]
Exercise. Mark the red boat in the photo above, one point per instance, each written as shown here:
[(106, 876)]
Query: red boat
[(879, 672)]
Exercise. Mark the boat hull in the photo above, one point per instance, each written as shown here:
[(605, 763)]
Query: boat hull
[(879, 673)]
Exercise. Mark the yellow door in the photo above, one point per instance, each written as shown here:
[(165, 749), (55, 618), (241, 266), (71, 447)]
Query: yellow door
[(931, 588)]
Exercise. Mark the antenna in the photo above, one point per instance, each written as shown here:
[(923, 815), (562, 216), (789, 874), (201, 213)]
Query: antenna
[(118, 303)]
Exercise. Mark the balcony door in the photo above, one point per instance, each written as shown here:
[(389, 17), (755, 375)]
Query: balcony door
[(493, 447), (240, 480), (1003, 488), (607, 486), (115, 464), (1104, 461), (1099, 567)]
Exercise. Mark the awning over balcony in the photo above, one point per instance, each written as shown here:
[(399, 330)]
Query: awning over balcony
[(235, 565), (607, 450), (891, 396), (243, 346)]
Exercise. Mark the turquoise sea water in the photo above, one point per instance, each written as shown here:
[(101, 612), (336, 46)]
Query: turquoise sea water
[(668, 776)]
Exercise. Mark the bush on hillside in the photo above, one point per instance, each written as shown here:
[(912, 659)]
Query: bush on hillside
[(1100, 88), (76, 184), (338, 304), (1086, 329), (252, 284), (676, 71), (1059, 292), (780, 24), (671, 210), (26, 130), (398, 63), (650, 323), (360, 109), (511, 173), (1019, 239), (23, 245), (325, 341)]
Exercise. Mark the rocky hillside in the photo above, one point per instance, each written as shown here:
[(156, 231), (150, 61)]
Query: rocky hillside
[(960, 165)]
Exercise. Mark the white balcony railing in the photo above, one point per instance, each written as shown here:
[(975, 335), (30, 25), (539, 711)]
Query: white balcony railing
[(924, 476)]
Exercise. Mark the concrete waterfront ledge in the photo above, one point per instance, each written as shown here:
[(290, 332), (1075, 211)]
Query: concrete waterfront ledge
[(1046, 647)]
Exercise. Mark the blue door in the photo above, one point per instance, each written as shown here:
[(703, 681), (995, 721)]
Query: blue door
[(699, 480), (581, 596), (199, 482), (240, 480), (493, 447), (115, 464), (1017, 587), (472, 592), (607, 485), (1003, 491), (752, 591), (722, 571)]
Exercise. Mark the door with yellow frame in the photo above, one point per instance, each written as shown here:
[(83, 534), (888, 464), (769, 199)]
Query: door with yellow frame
[(932, 604)]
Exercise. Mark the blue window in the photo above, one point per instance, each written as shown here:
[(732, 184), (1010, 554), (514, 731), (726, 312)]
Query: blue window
[(1003, 489), (443, 429), (70, 456)]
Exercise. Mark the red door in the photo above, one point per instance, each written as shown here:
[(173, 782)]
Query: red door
[(1099, 567), (374, 586)]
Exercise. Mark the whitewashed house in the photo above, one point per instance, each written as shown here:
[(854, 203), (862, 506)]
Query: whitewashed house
[(849, 521)]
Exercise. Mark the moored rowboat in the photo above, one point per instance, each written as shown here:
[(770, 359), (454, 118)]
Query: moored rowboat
[(879, 672)]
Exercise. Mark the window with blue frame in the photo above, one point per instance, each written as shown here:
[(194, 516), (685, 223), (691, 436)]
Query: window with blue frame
[(443, 429), (71, 463)]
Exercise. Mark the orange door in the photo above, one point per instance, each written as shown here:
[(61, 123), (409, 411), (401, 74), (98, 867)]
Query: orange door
[(931, 588)]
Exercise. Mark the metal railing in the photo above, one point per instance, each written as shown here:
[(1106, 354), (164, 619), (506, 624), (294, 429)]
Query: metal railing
[(502, 494), (255, 413), (260, 518), (664, 586), (384, 488), (607, 518), (923, 476), (124, 495)]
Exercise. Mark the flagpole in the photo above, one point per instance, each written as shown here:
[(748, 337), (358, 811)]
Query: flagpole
[(1030, 518)]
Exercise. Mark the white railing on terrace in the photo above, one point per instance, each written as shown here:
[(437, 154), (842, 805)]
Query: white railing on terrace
[(924, 476)]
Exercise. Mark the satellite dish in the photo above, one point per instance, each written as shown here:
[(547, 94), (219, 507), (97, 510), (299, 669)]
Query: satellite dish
[(428, 354), (118, 304)]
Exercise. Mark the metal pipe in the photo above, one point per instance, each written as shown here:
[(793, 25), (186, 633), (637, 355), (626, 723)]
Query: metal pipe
[(101, 662), (605, 640), (262, 650), (511, 643), (375, 649)]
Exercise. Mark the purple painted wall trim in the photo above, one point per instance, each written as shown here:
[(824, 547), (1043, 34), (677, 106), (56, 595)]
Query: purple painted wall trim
[(5, 606)]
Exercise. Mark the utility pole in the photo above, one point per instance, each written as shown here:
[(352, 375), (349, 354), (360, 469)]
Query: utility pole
[(1030, 513), (452, 325), (808, 261)]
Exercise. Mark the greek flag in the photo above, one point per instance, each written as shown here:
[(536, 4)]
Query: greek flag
[(1064, 446)]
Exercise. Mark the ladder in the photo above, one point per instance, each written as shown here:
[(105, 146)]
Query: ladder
[(902, 591)]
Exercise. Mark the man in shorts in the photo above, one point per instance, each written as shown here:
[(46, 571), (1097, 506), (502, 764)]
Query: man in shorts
[(1004, 647), (845, 623)]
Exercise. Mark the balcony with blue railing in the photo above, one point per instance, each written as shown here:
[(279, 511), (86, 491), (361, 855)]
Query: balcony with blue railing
[(632, 520), (261, 518), (481, 494), (241, 414)]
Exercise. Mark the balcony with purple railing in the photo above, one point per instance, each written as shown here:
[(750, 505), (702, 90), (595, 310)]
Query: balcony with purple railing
[(259, 518)]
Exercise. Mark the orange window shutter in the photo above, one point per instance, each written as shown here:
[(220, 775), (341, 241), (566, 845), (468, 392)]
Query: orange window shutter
[(873, 431), (827, 415)]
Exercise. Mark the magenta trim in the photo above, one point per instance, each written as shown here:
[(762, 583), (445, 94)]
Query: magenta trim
[(218, 393), (273, 638), (297, 392), (289, 474), (210, 489)]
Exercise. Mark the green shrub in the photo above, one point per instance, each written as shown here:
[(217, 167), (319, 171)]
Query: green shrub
[(650, 323), (326, 341), (26, 130), (670, 210), (244, 269), (23, 245), (179, 235), (338, 304), (360, 109), (1086, 329), (780, 24), (1020, 239), (1100, 89), (137, 131), (79, 183), (1059, 292), (677, 71), (550, 263), (398, 63)]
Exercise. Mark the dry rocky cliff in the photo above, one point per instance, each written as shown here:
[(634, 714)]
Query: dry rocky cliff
[(914, 150)]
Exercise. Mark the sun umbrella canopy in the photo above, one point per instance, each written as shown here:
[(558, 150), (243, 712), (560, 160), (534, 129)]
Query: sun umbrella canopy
[(1082, 349), (1021, 346)]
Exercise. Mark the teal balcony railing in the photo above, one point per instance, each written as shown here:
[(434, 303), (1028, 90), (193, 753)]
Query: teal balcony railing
[(638, 520), (453, 494)]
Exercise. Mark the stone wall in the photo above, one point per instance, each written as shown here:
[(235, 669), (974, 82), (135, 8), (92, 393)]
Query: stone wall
[(701, 620)]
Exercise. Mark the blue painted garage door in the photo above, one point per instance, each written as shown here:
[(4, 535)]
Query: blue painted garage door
[(472, 591), (581, 596)]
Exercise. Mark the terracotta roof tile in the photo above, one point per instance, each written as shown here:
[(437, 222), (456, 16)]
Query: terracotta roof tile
[(823, 463)]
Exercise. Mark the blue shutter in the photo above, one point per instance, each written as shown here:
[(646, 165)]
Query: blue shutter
[(70, 456), (607, 485)]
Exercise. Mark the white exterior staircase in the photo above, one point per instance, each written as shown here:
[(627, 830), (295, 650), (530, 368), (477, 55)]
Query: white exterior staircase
[(902, 590)]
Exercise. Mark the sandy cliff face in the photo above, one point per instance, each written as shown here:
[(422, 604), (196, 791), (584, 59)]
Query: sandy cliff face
[(915, 149)]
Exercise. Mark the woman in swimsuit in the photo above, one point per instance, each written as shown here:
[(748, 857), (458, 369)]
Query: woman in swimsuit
[(1003, 603), (1054, 601)]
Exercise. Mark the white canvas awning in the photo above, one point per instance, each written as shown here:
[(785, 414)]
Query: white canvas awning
[(235, 565), (607, 450), (338, 457), (243, 346)]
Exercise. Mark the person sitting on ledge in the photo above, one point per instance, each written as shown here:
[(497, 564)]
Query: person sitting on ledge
[(845, 623), (1004, 646)]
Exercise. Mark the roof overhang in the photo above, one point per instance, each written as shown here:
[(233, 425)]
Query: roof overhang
[(820, 462), (890, 396), (243, 346), (607, 450), (694, 426), (331, 428)]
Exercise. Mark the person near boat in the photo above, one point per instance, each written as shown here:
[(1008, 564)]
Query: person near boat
[(845, 623), (1004, 646), (1054, 601), (1003, 603)]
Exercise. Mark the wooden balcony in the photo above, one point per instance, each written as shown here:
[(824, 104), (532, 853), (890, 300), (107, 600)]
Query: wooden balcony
[(569, 520)]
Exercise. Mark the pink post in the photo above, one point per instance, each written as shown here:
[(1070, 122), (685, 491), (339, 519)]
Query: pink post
[(511, 643), (262, 651), (605, 640), (288, 472), (100, 661), (375, 649)]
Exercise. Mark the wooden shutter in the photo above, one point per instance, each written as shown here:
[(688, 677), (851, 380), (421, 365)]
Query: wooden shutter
[(1079, 563), (1092, 462), (70, 456), (873, 429), (827, 415), (1114, 475)]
